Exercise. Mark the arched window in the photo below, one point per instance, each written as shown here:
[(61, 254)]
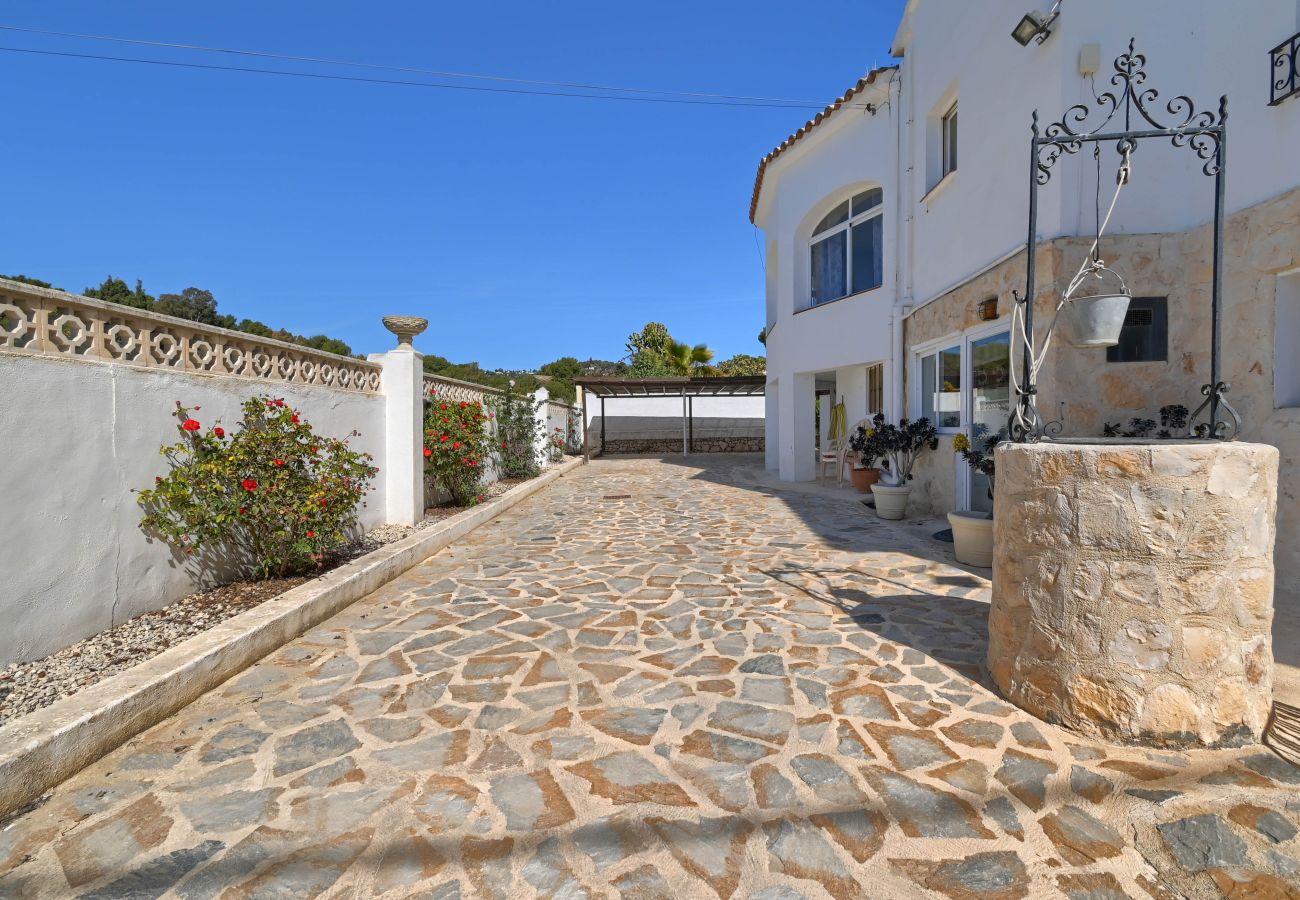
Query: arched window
[(846, 248)]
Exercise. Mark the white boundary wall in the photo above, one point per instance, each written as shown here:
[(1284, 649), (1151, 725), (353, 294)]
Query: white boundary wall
[(87, 395), (660, 418)]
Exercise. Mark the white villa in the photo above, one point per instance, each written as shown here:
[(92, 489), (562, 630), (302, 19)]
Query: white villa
[(895, 227)]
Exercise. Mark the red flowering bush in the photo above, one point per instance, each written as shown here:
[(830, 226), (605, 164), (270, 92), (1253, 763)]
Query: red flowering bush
[(457, 445), (273, 493)]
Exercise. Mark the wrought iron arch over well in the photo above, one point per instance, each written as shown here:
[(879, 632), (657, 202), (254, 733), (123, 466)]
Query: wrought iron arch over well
[(1138, 107)]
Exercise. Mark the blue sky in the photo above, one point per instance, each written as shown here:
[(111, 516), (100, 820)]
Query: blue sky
[(525, 228)]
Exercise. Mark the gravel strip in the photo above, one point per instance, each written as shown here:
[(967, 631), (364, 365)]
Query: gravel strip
[(27, 687)]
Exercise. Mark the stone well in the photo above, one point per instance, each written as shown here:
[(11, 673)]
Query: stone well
[(1133, 588)]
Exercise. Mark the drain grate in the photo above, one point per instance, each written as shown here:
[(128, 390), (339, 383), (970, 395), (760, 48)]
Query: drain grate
[(617, 497)]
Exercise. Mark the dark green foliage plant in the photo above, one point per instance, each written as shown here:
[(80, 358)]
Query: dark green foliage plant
[(900, 445), (272, 493)]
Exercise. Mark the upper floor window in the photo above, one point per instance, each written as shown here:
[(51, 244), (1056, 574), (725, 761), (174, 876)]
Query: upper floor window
[(948, 129), (846, 250)]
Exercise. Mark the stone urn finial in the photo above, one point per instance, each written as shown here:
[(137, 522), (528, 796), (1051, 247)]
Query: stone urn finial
[(405, 327)]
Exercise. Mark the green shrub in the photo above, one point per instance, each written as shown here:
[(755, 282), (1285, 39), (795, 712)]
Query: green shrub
[(457, 444), (519, 433), (273, 493)]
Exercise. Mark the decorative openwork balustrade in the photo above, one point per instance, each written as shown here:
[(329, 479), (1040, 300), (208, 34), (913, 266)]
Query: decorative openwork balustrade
[(58, 324), (454, 389), (1284, 77)]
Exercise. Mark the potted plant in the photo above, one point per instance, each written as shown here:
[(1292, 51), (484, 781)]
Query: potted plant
[(899, 446), (972, 531), (866, 450)]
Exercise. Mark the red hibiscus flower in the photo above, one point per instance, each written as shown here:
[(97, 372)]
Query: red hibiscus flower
[(481, 498), (242, 510), (503, 445), (250, 484), (311, 534), (219, 431), (324, 503), (463, 404), (295, 418), (158, 479), (455, 445), (442, 406), (278, 462), (428, 452), (279, 403), (315, 449), (191, 425), (445, 437)]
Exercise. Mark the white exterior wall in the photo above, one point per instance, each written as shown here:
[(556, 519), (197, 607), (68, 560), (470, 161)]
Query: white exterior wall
[(1200, 48), (936, 240), (857, 151), (76, 437)]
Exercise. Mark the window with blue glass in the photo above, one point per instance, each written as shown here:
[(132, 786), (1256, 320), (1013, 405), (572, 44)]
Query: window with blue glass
[(846, 250)]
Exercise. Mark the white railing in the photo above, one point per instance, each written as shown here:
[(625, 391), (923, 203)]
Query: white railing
[(54, 323), (454, 389)]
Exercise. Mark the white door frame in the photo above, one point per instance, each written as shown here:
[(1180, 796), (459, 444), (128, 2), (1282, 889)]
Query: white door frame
[(971, 335)]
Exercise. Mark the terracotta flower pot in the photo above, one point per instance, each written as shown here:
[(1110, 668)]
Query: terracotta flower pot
[(863, 479)]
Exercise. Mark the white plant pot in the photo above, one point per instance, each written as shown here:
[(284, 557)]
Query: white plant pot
[(891, 500), (972, 538)]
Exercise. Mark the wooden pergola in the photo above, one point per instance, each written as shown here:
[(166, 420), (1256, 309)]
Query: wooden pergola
[(688, 388)]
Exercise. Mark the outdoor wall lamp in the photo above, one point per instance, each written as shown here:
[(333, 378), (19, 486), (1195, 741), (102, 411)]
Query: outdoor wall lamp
[(1035, 25)]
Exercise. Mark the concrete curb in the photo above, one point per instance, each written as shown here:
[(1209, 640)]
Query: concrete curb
[(39, 750)]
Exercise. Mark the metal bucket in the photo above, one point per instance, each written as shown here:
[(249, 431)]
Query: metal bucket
[(1094, 321)]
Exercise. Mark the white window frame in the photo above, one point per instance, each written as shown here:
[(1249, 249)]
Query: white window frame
[(932, 348), (948, 133), (846, 226)]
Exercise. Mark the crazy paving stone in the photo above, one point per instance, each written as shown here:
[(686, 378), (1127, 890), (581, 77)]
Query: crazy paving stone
[(724, 747), (1026, 777), (630, 778), (868, 701), (407, 858), (996, 876), (631, 724), (752, 721), (531, 801), (1079, 837), (90, 852), (227, 812), (1270, 823), (827, 779), (1089, 784), (909, 749), (861, 832), (800, 849), (445, 803), (712, 850), (772, 789), (923, 811), (644, 883), (974, 732), (231, 742), (156, 877), (1203, 842)]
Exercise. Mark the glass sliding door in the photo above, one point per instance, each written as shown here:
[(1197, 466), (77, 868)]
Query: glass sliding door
[(990, 403)]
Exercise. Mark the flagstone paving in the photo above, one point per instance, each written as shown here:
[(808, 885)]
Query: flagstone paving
[(654, 679)]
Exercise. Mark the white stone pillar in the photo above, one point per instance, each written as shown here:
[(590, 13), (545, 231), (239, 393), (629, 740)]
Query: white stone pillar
[(541, 412), (402, 383)]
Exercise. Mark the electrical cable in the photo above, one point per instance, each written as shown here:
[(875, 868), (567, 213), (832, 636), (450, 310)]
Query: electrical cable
[(696, 96)]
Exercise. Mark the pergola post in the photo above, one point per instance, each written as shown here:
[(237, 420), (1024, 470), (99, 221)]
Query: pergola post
[(602, 425), (685, 418), (690, 417)]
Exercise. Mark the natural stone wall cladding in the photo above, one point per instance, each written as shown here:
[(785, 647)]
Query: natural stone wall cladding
[(1133, 588), (670, 445)]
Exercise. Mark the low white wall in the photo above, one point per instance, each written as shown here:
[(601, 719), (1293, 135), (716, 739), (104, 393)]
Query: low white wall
[(76, 436), (649, 418)]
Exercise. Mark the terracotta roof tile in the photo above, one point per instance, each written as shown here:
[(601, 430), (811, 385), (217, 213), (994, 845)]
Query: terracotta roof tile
[(859, 87)]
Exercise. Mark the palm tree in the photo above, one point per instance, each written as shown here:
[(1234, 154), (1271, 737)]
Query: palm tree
[(687, 360)]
